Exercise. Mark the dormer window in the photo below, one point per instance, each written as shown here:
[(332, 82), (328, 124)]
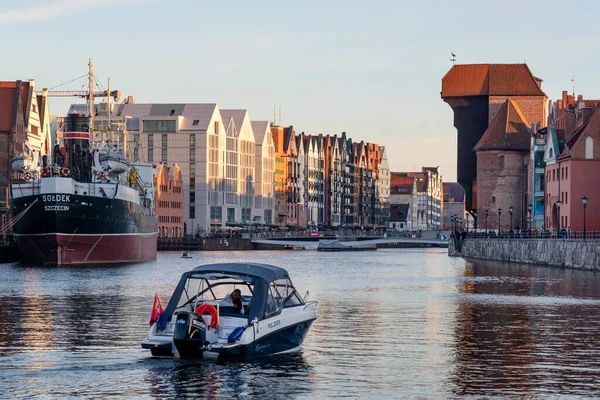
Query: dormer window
[(172, 113), (195, 122)]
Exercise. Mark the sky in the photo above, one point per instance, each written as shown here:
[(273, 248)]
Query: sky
[(370, 69)]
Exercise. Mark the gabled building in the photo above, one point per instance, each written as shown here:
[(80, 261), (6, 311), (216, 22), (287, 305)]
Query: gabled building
[(570, 176), (454, 205), (264, 200), (403, 190)]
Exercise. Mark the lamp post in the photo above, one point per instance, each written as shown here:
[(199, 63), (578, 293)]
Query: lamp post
[(584, 201), (510, 211), (558, 221), (467, 222), (487, 212), (475, 220), (499, 214), (529, 208)]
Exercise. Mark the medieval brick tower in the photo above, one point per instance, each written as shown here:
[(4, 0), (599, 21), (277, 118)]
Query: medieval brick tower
[(477, 93)]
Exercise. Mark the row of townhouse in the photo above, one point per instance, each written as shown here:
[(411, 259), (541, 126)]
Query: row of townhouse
[(329, 181), (237, 171), (225, 161)]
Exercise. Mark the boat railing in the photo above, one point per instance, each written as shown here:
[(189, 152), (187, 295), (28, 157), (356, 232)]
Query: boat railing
[(312, 303)]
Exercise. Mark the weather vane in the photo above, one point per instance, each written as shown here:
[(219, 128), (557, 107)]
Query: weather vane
[(453, 59)]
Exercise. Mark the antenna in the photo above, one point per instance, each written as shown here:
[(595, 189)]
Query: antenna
[(453, 59), (573, 80)]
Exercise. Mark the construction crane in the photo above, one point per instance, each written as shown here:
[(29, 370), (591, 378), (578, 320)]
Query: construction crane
[(84, 94)]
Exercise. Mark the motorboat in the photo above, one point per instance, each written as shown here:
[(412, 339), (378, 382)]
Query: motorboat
[(202, 321), (186, 255)]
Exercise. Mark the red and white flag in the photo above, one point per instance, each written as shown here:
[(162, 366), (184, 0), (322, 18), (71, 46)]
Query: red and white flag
[(157, 310)]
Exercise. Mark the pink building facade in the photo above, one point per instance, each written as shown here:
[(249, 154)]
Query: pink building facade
[(572, 175)]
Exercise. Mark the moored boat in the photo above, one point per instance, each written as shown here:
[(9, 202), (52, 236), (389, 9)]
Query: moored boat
[(204, 319)]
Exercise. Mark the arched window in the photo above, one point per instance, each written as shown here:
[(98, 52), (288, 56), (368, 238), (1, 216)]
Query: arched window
[(551, 153), (501, 161), (589, 147)]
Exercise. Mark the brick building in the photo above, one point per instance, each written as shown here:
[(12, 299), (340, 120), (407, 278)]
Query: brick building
[(454, 205), (502, 153), (169, 201), (477, 93)]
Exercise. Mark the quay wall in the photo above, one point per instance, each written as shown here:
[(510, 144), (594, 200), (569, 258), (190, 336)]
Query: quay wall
[(554, 252)]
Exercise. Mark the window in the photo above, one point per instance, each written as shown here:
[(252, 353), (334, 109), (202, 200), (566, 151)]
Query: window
[(195, 122), (215, 213), (566, 197), (3, 197), (172, 112), (159, 126), (553, 175), (493, 199), (192, 197), (500, 181), (192, 182), (230, 214), (566, 172), (589, 148), (192, 212), (501, 161)]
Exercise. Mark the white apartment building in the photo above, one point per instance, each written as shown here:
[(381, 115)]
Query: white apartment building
[(214, 148)]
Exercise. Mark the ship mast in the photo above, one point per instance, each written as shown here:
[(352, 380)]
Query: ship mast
[(91, 95)]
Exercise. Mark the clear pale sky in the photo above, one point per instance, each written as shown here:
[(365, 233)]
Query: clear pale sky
[(372, 69)]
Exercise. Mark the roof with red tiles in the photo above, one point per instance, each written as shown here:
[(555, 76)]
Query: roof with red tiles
[(490, 80), (508, 130), (7, 107)]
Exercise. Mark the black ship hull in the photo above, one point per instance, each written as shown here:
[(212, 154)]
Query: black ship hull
[(77, 229)]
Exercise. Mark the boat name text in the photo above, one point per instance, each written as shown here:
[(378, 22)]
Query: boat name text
[(57, 197), (273, 324)]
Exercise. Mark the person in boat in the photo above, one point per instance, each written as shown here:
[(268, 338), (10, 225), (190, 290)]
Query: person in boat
[(236, 299), (185, 254)]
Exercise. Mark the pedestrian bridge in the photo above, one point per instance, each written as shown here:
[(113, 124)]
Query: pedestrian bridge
[(351, 243)]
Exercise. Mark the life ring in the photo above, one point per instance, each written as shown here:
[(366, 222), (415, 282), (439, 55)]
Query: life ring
[(45, 171), (101, 175), (65, 171), (209, 308), (27, 176)]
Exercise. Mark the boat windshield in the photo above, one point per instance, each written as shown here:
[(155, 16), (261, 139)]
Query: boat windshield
[(199, 290)]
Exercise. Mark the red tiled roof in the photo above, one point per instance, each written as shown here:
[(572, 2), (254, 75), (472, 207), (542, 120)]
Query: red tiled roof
[(7, 105), (508, 130), (397, 180), (490, 80)]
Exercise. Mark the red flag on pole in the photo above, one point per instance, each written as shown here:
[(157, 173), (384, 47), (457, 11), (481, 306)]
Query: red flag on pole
[(156, 309)]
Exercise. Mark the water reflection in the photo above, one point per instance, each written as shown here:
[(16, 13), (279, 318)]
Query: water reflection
[(275, 377), (392, 323), (519, 331)]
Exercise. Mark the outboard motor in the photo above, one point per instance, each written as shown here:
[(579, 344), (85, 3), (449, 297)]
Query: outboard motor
[(190, 335)]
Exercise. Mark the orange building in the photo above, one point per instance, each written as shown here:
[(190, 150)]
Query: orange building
[(287, 190), (169, 202)]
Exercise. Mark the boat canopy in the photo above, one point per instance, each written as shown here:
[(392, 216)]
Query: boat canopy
[(259, 275)]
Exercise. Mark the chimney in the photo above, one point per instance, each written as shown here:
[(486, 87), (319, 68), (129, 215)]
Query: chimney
[(565, 94)]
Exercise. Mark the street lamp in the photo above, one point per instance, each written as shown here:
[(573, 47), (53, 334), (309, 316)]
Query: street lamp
[(486, 216), (558, 222), (499, 214), (510, 211), (475, 220), (530, 220), (584, 201)]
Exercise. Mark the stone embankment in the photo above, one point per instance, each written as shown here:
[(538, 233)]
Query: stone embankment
[(555, 252)]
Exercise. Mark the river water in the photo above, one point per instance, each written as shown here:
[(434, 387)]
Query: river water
[(392, 323)]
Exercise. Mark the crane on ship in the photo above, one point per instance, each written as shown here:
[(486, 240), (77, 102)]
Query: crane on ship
[(88, 94)]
